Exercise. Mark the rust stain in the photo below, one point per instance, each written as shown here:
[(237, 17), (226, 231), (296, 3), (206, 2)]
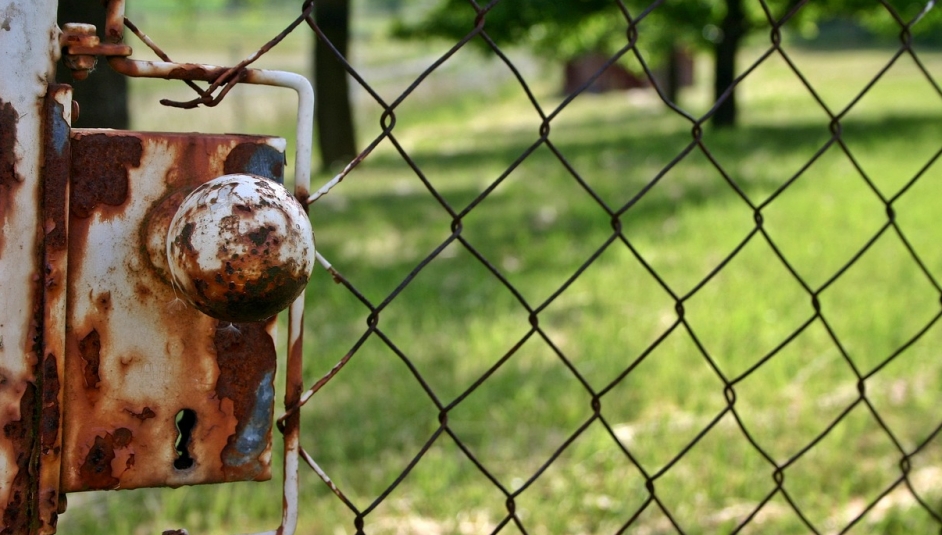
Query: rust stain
[(122, 437), (19, 511), (100, 164), (185, 236), (56, 163), (153, 233), (50, 445), (295, 382), (25, 433), (253, 286), (250, 278), (143, 290), (8, 120), (192, 167), (90, 350), (96, 470), (49, 422), (195, 72), (56, 156), (246, 358), (185, 71), (276, 285), (145, 414), (257, 159), (114, 21), (122, 380), (103, 301), (192, 71), (302, 194), (9, 180)]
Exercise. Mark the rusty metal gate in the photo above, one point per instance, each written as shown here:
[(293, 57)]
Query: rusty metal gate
[(108, 232), (103, 232)]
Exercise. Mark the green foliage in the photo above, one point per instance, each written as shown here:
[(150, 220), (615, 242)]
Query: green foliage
[(563, 30), (534, 21), (923, 17), (566, 30)]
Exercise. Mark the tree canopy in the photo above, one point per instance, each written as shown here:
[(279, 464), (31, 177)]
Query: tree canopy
[(565, 30), (560, 30)]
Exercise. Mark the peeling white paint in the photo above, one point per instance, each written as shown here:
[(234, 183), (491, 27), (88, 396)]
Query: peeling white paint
[(28, 47)]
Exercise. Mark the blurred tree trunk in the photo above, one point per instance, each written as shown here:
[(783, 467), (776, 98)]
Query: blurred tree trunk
[(334, 115), (733, 28), (103, 97), (673, 81)]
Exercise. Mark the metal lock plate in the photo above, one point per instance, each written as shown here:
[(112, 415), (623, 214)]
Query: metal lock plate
[(156, 393)]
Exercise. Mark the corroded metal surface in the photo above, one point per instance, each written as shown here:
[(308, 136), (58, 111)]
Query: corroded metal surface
[(28, 44), (55, 177), (114, 21), (79, 35), (157, 394), (240, 248), (81, 46), (223, 80)]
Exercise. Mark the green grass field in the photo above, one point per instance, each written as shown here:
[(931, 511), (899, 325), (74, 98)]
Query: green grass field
[(455, 320)]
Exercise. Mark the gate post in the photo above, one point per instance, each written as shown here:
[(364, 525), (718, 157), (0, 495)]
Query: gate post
[(29, 46)]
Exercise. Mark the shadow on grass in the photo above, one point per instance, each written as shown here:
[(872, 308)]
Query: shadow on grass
[(374, 416), (641, 152)]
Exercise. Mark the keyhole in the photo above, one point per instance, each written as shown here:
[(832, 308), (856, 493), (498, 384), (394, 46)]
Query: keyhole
[(186, 421)]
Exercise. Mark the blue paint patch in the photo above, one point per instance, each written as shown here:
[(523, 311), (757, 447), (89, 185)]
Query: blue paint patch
[(258, 159), (253, 437), (265, 162), (60, 129)]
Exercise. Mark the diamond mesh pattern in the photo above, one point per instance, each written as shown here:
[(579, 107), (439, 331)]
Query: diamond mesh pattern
[(811, 335)]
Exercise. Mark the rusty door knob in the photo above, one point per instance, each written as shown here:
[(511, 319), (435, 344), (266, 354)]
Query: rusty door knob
[(240, 248)]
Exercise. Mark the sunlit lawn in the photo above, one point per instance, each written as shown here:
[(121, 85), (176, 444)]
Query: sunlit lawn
[(538, 228)]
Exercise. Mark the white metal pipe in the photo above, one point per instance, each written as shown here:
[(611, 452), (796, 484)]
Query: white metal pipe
[(305, 124), (302, 185), (208, 73)]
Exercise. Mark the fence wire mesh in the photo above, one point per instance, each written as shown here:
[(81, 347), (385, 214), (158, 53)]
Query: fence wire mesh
[(762, 464)]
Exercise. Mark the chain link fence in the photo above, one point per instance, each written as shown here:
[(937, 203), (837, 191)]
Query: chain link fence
[(649, 454)]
